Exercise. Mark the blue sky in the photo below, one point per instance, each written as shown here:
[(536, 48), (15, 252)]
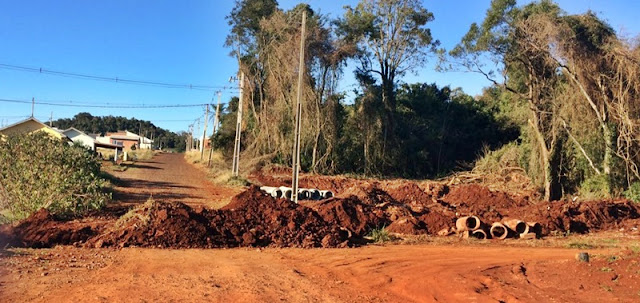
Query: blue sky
[(180, 42)]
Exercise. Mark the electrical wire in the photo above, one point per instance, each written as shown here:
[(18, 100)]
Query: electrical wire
[(111, 79), (93, 105)]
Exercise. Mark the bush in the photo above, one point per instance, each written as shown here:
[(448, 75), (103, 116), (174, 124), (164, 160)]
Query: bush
[(633, 193), (380, 235), (37, 171), (596, 187), (141, 154)]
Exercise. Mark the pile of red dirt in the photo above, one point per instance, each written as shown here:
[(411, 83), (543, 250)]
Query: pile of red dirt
[(158, 224), (251, 219), (254, 218), (583, 216), (42, 230)]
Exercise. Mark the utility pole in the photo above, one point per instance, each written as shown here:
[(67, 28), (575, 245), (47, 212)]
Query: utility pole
[(296, 143), (236, 148), (51, 120), (204, 133), (33, 102), (215, 127)]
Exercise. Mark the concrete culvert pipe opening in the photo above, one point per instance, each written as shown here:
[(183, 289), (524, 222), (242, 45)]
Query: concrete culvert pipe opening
[(303, 194), (276, 193), (520, 227), (468, 223), (314, 194), (479, 234), (326, 194), (535, 228), (287, 192), (498, 231)]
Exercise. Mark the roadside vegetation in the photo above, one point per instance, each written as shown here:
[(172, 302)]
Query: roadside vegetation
[(560, 118), (37, 171)]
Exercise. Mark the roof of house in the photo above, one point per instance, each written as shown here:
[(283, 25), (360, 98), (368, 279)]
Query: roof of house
[(66, 131), (36, 125), (130, 138)]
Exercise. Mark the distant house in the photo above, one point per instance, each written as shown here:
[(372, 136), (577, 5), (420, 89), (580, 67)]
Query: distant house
[(78, 136), (32, 125), (127, 140)]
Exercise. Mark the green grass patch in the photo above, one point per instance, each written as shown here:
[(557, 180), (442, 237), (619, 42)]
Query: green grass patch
[(581, 245), (380, 235)]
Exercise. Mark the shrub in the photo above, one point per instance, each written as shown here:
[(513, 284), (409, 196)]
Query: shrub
[(141, 154), (380, 235), (633, 192), (37, 171), (596, 187)]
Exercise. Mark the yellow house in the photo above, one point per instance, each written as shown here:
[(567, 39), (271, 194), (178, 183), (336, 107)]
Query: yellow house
[(32, 125)]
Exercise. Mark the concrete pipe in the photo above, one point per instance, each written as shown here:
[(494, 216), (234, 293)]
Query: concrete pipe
[(535, 227), (479, 234), (303, 194), (499, 231), (468, 223), (314, 194), (518, 226), (287, 192), (273, 191), (326, 194)]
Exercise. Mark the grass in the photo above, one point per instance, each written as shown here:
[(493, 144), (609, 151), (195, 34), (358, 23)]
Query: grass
[(380, 235), (141, 154), (140, 213), (606, 269), (580, 245)]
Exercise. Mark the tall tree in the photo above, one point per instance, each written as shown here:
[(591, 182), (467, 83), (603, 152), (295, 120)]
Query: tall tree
[(514, 38), (393, 39)]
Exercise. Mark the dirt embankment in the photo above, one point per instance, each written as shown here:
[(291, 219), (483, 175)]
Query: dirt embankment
[(256, 219)]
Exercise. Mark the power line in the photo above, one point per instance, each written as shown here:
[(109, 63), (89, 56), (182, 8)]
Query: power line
[(112, 79), (93, 105)]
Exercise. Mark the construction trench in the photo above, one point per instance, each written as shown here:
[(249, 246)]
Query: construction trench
[(343, 215)]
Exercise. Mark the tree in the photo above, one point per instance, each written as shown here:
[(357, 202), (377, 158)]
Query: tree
[(516, 39), (393, 39)]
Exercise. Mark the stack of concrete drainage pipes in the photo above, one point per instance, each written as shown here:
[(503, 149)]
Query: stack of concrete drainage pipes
[(472, 227), (303, 193)]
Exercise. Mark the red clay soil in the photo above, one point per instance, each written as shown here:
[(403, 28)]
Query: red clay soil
[(42, 229), (251, 219), (409, 207)]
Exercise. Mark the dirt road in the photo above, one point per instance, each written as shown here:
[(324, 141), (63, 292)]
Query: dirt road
[(461, 271), (400, 273), (168, 177)]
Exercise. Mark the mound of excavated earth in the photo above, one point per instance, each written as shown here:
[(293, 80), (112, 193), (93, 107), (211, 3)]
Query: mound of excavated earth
[(256, 219)]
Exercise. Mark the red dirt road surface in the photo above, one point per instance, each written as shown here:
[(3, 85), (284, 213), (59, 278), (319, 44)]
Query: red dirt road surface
[(400, 273), (168, 177), (438, 269)]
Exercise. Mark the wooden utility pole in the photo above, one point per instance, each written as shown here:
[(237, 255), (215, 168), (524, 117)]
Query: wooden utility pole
[(204, 133), (215, 127), (236, 148), (296, 143)]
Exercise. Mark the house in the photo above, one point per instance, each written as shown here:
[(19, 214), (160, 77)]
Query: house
[(80, 137), (32, 125), (127, 140)]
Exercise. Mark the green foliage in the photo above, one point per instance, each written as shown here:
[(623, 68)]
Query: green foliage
[(596, 187), (37, 171), (380, 235), (633, 192)]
